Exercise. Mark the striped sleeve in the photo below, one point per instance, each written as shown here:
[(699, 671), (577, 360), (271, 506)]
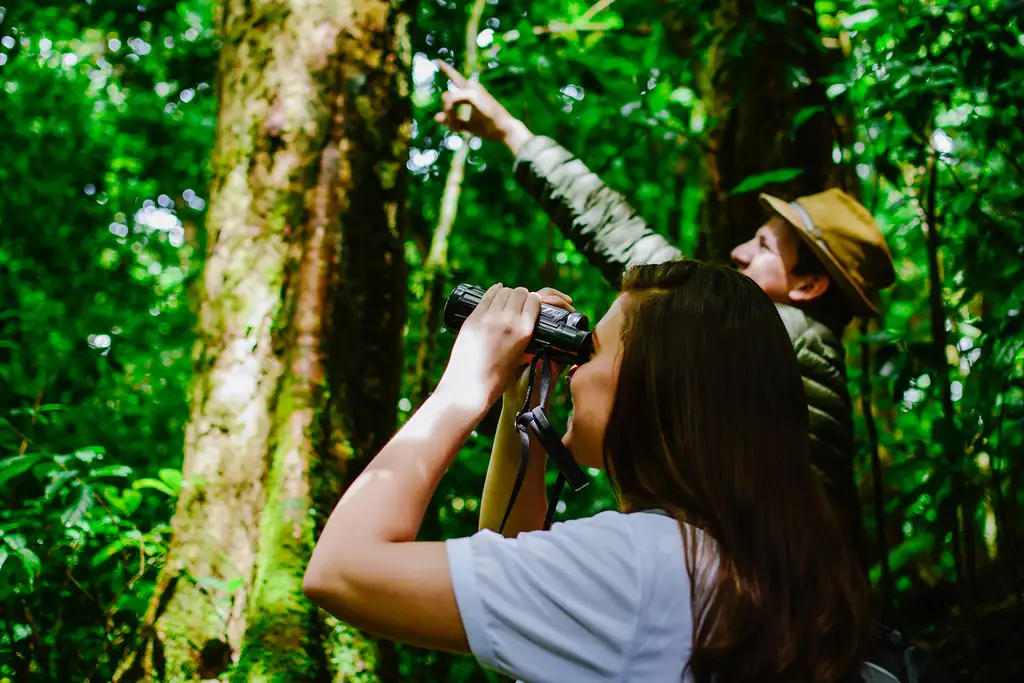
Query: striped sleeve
[(599, 221)]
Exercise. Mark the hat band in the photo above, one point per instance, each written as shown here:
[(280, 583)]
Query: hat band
[(812, 229)]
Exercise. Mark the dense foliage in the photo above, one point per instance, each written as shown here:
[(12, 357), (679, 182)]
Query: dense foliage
[(107, 116)]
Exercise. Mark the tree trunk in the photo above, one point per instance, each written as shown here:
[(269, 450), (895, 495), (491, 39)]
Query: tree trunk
[(765, 64), (297, 363)]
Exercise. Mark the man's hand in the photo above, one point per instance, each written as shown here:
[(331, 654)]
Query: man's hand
[(515, 392), (488, 119)]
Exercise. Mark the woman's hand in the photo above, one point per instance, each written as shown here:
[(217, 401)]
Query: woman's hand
[(490, 345), (515, 392), (488, 119)]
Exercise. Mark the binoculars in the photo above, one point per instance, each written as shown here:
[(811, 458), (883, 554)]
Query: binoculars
[(559, 335)]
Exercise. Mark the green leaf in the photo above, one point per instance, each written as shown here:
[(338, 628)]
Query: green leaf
[(859, 20), (89, 454), (127, 501), (683, 96), (18, 464), (132, 499), (112, 471), (74, 514), (29, 560), (734, 47), (803, 115), (107, 552), (880, 337), (755, 182), (172, 478), (771, 11), (58, 481), (150, 483)]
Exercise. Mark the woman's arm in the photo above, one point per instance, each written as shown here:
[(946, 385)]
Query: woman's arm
[(367, 569)]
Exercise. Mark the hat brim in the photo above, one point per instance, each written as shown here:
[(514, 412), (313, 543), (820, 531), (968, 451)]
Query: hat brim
[(861, 302)]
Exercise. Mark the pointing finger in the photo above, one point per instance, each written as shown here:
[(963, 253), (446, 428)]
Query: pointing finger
[(448, 70)]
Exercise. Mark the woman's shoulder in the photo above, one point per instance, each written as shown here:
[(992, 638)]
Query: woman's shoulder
[(609, 585), (641, 525), (627, 528), (647, 542), (614, 547)]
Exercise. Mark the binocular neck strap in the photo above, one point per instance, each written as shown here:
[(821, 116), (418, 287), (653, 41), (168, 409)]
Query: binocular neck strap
[(524, 451)]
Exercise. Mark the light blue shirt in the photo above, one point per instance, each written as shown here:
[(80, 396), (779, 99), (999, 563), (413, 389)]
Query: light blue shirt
[(606, 598)]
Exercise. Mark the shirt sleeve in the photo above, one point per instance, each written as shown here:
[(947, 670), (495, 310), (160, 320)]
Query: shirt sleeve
[(559, 605)]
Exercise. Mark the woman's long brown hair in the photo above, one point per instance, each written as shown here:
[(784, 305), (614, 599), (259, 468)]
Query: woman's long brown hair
[(710, 424)]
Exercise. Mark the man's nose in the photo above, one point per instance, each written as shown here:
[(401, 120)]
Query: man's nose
[(738, 256)]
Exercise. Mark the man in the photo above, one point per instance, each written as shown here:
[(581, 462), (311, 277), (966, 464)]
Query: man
[(821, 259)]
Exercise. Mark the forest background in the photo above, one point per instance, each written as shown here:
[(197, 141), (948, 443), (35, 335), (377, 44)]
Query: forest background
[(227, 230)]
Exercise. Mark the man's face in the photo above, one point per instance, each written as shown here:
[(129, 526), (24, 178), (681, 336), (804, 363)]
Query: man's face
[(768, 259)]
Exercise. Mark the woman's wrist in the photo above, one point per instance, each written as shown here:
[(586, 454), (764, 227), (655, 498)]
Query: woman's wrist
[(515, 134), (468, 405)]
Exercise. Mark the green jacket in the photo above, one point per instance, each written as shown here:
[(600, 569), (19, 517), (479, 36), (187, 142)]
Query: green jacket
[(612, 236)]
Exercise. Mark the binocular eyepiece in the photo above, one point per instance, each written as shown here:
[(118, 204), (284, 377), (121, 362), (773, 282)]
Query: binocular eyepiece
[(562, 336)]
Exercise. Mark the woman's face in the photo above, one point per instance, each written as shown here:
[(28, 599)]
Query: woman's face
[(592, 387)]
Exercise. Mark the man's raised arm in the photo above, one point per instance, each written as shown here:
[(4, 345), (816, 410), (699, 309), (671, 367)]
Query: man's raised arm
[(598, 220)]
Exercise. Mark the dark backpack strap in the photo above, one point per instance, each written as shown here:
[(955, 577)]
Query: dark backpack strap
[(894, 659), (885, 660)]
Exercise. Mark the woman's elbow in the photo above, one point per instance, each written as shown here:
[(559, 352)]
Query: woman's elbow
[(323, 586), (314, 584)]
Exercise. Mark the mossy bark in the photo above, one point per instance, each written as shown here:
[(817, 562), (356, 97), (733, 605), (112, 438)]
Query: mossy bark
[(298, 357)]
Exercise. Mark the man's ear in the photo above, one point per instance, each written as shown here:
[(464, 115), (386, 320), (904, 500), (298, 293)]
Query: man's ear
[(809, 287)]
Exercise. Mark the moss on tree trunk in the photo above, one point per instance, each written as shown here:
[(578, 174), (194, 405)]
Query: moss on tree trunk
[(299, 350)]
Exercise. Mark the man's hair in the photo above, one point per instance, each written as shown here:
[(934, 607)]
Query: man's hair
[(710, 423), (831, 308)]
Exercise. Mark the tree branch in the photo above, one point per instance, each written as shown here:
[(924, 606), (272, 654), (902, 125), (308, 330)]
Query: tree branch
[(877, 475), (599, 6), (963, 523), (557, 28), (435, 267)]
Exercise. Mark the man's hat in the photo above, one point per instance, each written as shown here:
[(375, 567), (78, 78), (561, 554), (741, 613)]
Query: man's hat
[(846, 239)]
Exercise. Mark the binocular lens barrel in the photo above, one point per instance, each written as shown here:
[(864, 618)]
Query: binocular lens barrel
[(562, 336)]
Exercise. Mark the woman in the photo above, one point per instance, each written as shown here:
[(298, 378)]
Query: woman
[(693, 405)]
